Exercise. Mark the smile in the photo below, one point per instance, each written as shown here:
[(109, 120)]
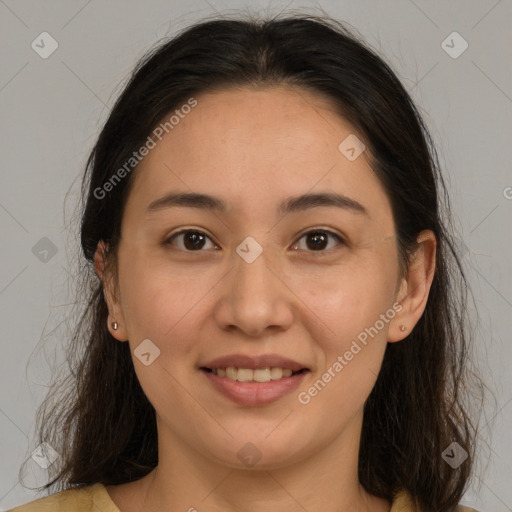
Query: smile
[(258, 375), (258, 387)]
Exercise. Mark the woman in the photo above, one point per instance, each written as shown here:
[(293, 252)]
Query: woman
[(274, 318)]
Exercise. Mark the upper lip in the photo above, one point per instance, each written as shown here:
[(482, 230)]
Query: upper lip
[(254, 362)]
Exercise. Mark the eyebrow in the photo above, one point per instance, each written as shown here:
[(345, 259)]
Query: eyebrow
[(289, 205)]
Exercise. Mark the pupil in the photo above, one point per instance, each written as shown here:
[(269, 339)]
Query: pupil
[(320, 240), (194, 237)]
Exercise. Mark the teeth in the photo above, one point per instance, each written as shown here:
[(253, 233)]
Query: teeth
[(244, 375), (276, 373), (261, 375), (248, 375), (231, 373)]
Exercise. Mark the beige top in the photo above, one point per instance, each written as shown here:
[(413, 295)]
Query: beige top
[(95, 498)]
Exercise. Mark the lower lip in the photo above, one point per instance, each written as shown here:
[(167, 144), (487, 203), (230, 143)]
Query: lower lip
[(254, 393)]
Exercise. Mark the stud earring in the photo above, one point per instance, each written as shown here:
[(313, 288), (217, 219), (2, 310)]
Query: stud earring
[(115, 325), (403, 328)]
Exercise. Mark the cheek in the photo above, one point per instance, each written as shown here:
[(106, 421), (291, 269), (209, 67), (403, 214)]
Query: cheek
[(164, 304), (357, 314), (350, 300)]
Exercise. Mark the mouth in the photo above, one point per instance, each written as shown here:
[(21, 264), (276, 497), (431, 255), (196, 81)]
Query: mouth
[(260, 375), (254, 381)]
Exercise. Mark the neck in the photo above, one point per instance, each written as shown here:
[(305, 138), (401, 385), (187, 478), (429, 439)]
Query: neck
[(326, 480)]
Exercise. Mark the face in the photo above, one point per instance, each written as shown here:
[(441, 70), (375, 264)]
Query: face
[(264, 285)]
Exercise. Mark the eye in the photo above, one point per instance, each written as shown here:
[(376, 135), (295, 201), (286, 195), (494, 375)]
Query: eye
[(192, 240), (317, 240)]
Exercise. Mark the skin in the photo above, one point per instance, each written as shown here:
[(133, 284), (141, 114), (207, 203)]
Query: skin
[(254, 148)]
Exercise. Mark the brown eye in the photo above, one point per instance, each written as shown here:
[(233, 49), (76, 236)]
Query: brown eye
[(317, 240), (192, 241), (195, 241)]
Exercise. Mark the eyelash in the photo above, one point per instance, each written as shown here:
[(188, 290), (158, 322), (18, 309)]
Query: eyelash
[(168, 241)]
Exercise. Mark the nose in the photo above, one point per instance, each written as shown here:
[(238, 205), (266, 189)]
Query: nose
[(254, 298)]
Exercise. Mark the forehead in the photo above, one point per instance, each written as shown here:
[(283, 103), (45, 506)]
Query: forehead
[(254, 147), (254, 125)]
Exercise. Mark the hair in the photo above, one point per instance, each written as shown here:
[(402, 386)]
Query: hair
[(103, 425)]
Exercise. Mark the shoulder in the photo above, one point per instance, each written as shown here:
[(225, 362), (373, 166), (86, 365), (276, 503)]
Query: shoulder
[(403, 503), (85, 499)]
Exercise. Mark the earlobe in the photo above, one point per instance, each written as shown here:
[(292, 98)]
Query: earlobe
[(415, 287), (116, 331)]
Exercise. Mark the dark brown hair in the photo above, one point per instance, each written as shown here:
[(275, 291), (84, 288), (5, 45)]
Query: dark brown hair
[(104, 427)]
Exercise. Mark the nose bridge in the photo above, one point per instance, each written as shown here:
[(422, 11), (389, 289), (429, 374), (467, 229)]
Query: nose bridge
[(256, 298), (253, 268), (254, 279)]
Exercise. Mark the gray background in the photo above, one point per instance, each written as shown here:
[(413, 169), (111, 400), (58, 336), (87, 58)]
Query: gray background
[(52, 110)]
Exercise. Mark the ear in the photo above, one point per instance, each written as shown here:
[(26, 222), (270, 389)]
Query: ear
[(110, 293), (415, 287)]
